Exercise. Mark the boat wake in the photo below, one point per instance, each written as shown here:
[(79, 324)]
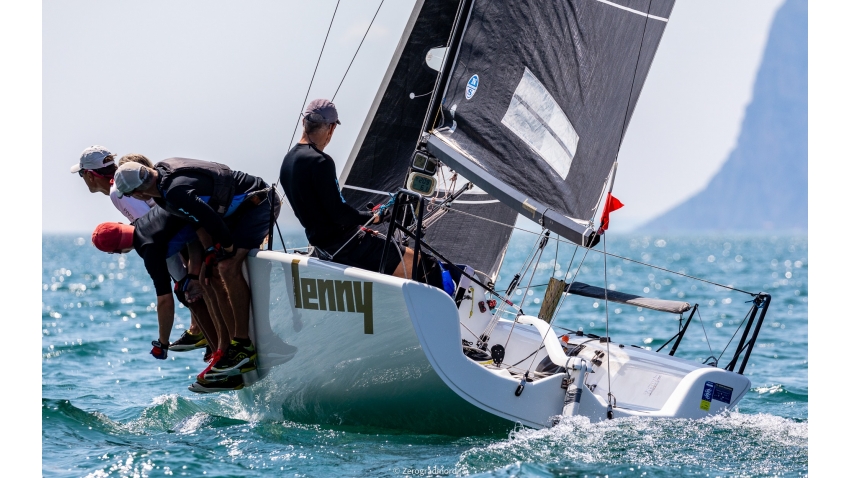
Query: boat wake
[(730, 444)]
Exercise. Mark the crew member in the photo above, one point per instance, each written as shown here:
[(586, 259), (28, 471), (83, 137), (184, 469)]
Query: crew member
[(153, 237), (232, 208), (97, 168), (308, 177)]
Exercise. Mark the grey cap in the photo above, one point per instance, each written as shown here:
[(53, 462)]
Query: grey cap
[(93, 157), (130, 176), (321, 111)]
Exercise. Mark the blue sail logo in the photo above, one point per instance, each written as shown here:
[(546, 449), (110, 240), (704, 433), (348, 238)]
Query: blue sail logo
[(471, 86)]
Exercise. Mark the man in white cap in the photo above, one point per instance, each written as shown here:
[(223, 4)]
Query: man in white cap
[(97, 166)]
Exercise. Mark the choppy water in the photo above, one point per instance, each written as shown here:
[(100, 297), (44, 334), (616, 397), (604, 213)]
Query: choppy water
[(109, 409)]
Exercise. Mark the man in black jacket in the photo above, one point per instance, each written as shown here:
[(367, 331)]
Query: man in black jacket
[(157, 236), (231, 211), (308, 176)]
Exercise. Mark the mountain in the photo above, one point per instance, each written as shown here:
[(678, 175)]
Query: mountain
[(763, 184)]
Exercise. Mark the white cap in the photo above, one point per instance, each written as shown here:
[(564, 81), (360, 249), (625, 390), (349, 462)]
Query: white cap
[(130, 176), (93, 157)]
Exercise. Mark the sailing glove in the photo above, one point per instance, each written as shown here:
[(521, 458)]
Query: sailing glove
[(159, 350)]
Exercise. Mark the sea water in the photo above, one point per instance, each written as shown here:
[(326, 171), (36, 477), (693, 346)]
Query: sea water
[(110, 409)]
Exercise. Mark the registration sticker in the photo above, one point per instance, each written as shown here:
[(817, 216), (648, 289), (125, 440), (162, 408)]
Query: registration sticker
[(715, 391), (707, 394)]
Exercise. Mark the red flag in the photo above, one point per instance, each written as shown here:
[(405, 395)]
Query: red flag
[(611, 205)]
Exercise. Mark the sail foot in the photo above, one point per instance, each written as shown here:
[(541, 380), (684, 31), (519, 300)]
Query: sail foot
[(580, 233)]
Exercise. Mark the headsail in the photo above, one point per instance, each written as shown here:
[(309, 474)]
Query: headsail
[(538, 100), (381, 155)]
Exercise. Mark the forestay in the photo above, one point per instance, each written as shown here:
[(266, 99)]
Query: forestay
[(538, 100)]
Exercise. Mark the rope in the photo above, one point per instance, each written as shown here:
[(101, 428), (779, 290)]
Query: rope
[(304, 103), (358, 50)]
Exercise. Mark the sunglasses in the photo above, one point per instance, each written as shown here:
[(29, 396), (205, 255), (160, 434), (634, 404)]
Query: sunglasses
[(82, 173)]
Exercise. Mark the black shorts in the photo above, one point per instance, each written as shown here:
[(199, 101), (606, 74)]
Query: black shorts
[(249, 225), (364, 252)]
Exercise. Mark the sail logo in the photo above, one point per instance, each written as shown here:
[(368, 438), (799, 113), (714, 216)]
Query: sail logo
[(471, 86), (333, 295)]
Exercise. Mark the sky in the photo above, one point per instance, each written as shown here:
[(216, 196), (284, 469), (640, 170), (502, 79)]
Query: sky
[(225, 81)]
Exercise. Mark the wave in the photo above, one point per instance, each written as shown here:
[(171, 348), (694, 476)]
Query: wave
[(730, 443)]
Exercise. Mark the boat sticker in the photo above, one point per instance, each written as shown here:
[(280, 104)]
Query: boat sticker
[(652, 384), (471, 86), (722, 393), (333, 295), (707, 394)]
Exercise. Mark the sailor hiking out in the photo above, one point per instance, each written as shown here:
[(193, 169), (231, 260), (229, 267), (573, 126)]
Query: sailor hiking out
[(97, 167), (156, 236), (231, 212)]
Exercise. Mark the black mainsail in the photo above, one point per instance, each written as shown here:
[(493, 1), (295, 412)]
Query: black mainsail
[(538, 99), (379, 161)]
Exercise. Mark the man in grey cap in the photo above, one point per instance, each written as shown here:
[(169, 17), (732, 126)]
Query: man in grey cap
[(231, 213), (97, 166), (308, 176)]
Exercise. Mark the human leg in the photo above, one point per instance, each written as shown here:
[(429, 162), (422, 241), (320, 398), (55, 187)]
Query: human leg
[(237, 291)]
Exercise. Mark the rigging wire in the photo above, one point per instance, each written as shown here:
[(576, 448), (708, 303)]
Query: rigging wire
[(358, 49), (705, 333), (607, 333), (606, 253), (304, 103)]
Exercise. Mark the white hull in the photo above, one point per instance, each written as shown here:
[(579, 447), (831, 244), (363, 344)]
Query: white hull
[(347, 346)]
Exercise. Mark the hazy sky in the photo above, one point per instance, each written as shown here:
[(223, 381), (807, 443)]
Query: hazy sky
[(225, 81)]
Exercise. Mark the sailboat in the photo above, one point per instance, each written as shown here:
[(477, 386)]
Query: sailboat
[(488, 111)]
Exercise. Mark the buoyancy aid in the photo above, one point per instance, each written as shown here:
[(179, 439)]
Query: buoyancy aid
[(221, 175)]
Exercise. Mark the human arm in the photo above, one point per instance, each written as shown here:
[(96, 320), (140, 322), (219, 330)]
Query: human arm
[(330, 199), (154, 259), (165, 316), (183, 199)]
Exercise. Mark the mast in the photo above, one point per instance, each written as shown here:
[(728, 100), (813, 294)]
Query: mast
[(461, 18)]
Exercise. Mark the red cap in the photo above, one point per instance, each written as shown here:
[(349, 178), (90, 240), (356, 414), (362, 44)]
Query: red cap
[(112, 236)]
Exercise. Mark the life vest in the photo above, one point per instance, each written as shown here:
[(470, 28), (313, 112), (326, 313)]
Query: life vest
[(221, 175)]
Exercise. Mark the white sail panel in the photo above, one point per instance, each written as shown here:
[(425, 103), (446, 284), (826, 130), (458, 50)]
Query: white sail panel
[(536, 118)]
